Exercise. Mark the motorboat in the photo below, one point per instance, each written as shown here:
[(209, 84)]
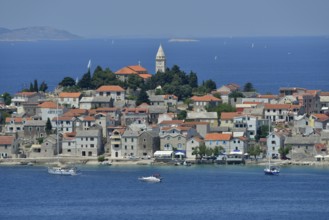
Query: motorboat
[(152, 179), (65, 171)]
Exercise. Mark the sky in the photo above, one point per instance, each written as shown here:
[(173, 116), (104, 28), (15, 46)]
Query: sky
[(171, 18)]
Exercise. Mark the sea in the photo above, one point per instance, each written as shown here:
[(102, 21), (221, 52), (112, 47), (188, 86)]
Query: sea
[(269, 63), (209, 192)]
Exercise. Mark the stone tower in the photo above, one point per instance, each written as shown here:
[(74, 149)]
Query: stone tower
[(160, 61)]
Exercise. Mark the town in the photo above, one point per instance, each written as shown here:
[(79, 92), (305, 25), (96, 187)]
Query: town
[(228, 124)]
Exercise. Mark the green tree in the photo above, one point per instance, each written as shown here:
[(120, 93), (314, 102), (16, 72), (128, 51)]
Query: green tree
[(248, 87), (31, 88), (283, 151), (67, 81), (142, 97), (48, 126), (182, 115), (218, 150), (193, 80), (35, 86), (254, 150), (43, 86), (85, 82), (210, 85), (236, 94), (7, 98), (262, 132), (224, 107), (134, 82)]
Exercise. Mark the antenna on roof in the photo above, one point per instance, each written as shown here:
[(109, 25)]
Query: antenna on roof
[(139, 62)]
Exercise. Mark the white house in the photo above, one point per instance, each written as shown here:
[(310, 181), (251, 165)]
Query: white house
[(274, 142), (115, 92), (49, 110), (70, 99)]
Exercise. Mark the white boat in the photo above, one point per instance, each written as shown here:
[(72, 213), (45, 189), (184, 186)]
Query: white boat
[(65, 171), (271, 170), (152, 179)]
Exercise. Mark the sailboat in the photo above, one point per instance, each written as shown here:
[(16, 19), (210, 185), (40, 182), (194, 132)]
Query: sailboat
[(61, 170), (271, 170)]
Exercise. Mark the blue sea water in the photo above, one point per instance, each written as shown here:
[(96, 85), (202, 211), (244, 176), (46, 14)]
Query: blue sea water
[(269, 63), (193, 193)]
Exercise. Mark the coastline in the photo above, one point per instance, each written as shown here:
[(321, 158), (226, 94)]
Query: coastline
[(140, 162)]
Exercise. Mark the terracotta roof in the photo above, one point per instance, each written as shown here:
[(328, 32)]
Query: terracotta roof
[(16, 120), (324, 94), (109, 88), (229, 115), (145, 75), (76, 112), (321, 117), (205, 98), (88, 118), (176, 128), (69, 95), (217, 136), (232, 86), (6, 140), (253, 103), (188, 123), (280, 106), (48, 105), (26, 93), (128, 70)]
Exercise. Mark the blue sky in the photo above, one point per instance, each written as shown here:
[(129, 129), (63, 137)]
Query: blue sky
[(171, 18)]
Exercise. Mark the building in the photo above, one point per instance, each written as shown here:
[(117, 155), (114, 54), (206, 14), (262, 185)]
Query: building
[(89, 142), (209, 117), (69, 99), (15, 124), (137, 70), (213, 140), (115, 92), (274, 142), (35, 129), (281, 112), (160, 60), (201, 102), (148, 144), (49, 110), (8, 146)]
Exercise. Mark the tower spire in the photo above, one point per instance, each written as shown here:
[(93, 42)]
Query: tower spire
[(160, 60)]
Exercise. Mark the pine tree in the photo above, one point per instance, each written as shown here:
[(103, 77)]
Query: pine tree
[(48, 126), (142, 97), (35, 87)]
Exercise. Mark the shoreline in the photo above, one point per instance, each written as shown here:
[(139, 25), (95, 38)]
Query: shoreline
[(127, 162)]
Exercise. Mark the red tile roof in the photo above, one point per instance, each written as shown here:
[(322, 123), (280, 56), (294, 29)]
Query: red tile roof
[(6, 140), (217, 136), (280, 106), (229, 115), (128, 70), (109, 88), (205, 98), (321, 117), (69, 95), (145, 75), (48, 105), (171, 122)]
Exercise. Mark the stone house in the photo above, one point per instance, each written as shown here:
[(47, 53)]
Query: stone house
[(209, 117), (8, 146), (191, 145), (69, 99), (15, 124), (35, 129), (282, 112), (89, 142), (201, 102), (227, 119), (175, 138), (115, 143), (49, 110), (148, 144)]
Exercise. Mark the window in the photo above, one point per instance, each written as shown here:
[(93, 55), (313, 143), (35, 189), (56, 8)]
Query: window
[(69, 143), (91, 139), (144, 146), (273, 148), (92, 145), (125, 147), (132, 147), (273, 142), (125, 139)]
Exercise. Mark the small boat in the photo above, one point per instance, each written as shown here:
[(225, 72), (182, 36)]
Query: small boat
[(272, 170), (152, 179), (65, 171)]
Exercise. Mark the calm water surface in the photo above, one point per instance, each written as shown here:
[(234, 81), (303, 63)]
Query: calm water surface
[(199, 192)]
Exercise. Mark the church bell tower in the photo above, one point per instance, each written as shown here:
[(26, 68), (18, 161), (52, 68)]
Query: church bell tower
[(160, 61)]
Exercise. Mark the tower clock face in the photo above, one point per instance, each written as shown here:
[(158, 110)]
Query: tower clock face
[(159, 63)]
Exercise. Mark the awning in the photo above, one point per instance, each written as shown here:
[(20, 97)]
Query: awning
[(179, 153), (165, 153), (318, 156), (236, 152)]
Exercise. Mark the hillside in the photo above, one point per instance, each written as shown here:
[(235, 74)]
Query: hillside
[(35, 34)]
